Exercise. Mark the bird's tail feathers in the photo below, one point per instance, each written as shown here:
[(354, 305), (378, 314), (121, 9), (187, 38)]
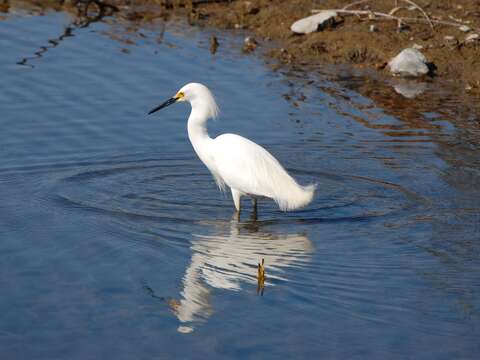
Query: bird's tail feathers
[(297, 197)]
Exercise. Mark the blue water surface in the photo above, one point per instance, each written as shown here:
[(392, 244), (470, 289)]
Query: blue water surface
[(115, 242)]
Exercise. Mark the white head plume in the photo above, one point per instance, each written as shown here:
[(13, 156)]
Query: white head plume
[(199, 95)]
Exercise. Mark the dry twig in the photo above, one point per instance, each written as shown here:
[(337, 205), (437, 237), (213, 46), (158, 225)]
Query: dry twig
[(410, 2), (421, 10), (389, 17)]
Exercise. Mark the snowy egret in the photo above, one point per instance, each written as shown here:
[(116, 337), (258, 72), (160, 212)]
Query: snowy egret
[(247, 168)]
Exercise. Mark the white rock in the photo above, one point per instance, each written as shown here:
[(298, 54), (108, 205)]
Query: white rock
[(409, 63), (464, 28), (313, 23), (373, 28), (449, 38), (472, 38), (417, 46)]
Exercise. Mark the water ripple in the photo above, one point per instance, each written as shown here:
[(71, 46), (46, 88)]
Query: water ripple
[(181, 189)]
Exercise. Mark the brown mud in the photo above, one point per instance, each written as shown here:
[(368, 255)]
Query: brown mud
[(349, 41)]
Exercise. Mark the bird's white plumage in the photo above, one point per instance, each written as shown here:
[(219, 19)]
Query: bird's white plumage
[(251, 170), (239, 163)]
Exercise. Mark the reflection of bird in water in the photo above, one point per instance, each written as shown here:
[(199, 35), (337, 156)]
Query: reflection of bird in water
[(228, 258), (234, 161)]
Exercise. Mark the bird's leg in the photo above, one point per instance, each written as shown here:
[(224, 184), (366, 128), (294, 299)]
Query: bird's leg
[(236, 199)]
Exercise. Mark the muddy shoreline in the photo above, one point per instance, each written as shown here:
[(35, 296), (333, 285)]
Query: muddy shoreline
[(349, 41)]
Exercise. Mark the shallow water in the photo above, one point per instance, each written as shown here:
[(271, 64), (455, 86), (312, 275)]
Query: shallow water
[(115, 242)]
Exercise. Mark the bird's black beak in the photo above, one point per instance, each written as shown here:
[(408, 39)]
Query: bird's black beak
[(165, 104)]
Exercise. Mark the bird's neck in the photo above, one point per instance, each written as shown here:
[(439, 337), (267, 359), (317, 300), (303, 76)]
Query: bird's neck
[(197, 131)]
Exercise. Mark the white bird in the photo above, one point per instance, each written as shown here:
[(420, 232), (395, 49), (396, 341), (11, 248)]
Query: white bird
[(247, 168)]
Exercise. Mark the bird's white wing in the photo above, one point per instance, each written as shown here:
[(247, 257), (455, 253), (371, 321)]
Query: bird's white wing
[(246, 166), (250, 169)]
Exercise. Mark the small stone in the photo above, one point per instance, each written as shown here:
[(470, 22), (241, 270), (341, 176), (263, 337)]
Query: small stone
[(417, 47), (464, 28), (409, 63), (214, 44), (472, 38), (314, 23), (249, 44), (451, 41), (373, 28), (250, 9)]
